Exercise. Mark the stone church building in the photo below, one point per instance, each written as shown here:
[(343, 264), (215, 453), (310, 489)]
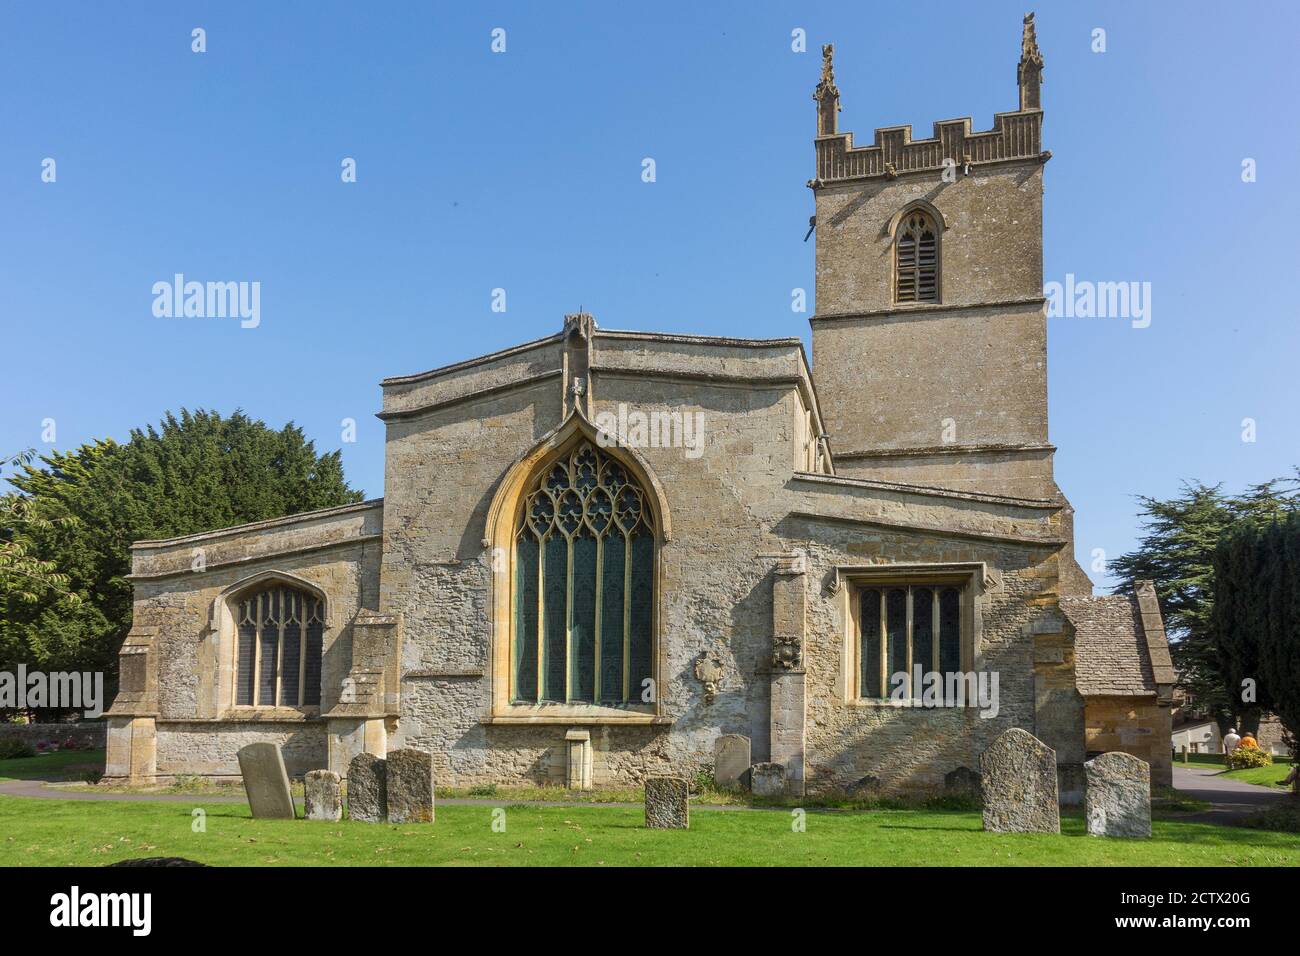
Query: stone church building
[(599, 551)]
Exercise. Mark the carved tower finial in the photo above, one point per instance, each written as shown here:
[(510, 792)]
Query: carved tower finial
[(1029, 74), (827, 94)]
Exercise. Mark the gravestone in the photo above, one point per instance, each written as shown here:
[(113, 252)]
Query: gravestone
[(667, 805), (767, 780), (321, 788), (368, 788), (1018, 783), (731, 759), (1117, 799), (266, 782), (410, 786), (962, 782)]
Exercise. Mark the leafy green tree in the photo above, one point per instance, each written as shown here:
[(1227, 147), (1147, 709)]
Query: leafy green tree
[(79, 511), (23, 576), (1255, 623), (1177, 551)]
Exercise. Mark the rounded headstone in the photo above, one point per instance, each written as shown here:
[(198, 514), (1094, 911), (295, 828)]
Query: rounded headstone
[(1117, 800), (321, 789), (1018, 784), (367, 788), (410, 786)]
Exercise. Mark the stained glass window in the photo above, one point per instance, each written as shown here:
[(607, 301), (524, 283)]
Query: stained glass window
[(584, 585), (277, 661)]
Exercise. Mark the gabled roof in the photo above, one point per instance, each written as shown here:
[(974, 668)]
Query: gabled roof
[(1120, 647)]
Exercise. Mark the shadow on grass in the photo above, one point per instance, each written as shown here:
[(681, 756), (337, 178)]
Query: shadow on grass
[(61, 765)]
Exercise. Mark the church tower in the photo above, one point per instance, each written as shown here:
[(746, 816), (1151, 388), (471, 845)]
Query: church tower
[(929, 339)]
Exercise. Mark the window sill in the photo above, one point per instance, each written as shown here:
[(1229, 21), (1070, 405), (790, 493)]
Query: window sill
[(572, 715), (272, 714), (878, 704)]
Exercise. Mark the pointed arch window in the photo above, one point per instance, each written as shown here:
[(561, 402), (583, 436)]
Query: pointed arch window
[(916, 259), (278, 659), (584, 573)]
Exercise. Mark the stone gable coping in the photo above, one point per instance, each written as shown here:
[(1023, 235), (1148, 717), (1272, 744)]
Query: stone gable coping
[(269, 523), (927, 491)]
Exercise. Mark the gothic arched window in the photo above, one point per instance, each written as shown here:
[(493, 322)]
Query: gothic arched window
[(916, 259), (584, 571), (278, 654)]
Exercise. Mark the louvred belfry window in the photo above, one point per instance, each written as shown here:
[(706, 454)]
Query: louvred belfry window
[(584, 561), (916, 251), (279, 649)]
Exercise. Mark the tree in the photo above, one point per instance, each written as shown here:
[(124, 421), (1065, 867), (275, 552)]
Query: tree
[(1177, 552), (1256, 618), (79, 511), (22, 575)]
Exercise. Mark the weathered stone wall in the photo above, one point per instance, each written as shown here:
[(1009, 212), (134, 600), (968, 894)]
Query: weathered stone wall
[(209, 750), (734, 510), (336, 550), (905, 385), (1136, 726), (991, 250), (86, 734)]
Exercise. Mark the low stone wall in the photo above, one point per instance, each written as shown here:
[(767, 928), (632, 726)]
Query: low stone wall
[(1137, 726), (87, 734)]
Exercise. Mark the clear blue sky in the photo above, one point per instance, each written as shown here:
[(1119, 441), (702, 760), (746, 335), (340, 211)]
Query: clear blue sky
[(522, 170)]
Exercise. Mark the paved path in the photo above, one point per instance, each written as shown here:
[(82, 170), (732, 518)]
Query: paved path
[(1231, 799)]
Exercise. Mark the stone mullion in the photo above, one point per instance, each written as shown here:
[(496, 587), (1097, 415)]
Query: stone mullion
[(908, 626), (600, 578), (257, 654), (303, 623), (627, 613), (568, 620), (541, 613), (936, 638), (279, 653), (882, 664)]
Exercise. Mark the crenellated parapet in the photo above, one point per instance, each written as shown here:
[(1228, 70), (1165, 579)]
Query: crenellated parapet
[(1015, 135)]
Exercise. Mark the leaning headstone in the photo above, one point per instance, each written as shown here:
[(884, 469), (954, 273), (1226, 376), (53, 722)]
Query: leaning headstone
[(410, 786), (1117, 802), (368, 788), (731, 761), (767, 780), (1018, 782), (667, 805), (321, 788), (266, 782), (962, 782)]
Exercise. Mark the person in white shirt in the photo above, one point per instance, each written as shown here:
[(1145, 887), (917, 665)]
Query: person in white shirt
[(1230, 740)]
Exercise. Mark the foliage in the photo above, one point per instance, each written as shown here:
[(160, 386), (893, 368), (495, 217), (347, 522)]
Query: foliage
[(22, 575), (14, 748), (79, 511), (1177, 550), (1244, 758), (1255, 624)]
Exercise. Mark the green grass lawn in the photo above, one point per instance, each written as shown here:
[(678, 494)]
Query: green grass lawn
[(1270, 776), (60, 765), (66, 832)]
